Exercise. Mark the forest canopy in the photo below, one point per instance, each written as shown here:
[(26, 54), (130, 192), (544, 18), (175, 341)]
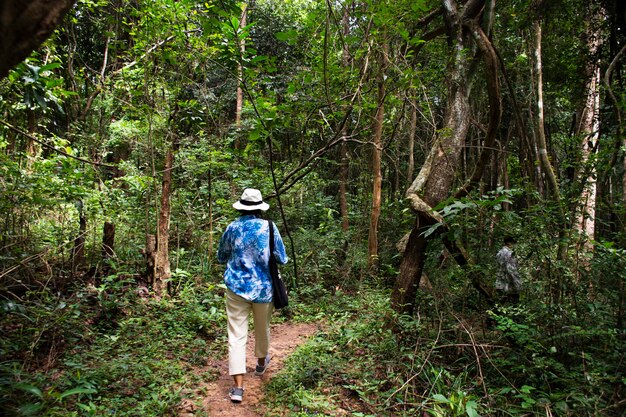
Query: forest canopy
[(398, 144)]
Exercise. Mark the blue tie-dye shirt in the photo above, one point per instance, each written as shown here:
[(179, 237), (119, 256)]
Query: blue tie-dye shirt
[(244, 248)]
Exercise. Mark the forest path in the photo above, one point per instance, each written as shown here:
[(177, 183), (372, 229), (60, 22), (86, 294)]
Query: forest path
[(285, 338)]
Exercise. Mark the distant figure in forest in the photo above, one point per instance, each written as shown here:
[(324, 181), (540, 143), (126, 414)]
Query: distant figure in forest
[(508, 281), (244, 248)]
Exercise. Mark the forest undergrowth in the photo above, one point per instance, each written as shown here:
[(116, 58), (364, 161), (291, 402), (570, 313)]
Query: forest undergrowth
[(395, 141), (446, 363), (108, 351)]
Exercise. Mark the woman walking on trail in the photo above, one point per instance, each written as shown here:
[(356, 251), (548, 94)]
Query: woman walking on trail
[(244, 248)]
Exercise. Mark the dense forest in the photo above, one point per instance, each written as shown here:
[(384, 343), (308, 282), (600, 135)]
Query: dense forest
[(398, 144)]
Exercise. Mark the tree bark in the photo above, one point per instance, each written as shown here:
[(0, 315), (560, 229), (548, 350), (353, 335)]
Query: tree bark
[(377, 150), (108, 246), (588, 129), (343, 149), (24, 26), (149, 254), (411, 267), (436, 176), (542, 148), (162, 259), (242, 50), (495, 107), (78, 251)]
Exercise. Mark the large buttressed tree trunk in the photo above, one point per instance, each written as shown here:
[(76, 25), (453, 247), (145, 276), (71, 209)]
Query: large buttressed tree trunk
[(435, 179), (24, 25)]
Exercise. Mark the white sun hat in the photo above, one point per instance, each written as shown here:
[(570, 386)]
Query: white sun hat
[(251, 200)]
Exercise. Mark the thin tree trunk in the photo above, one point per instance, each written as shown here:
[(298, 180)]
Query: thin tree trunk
[(377, 150), (525, 158), (210, 251), (242, 50), (411, 144), (542, 149), (108, 246), (343, 184), (149, 254), (162, 260), (78, 251), (343, 149)]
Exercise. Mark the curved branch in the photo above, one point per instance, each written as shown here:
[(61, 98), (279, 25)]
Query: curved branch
[(495, 105)]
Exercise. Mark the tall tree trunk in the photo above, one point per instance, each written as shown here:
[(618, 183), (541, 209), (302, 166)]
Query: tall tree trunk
[(377, 150), (162, 259), (211, 243), (436, 176), (343, 183), (542, 148), (242, 50), (588, 129), (343, 149)]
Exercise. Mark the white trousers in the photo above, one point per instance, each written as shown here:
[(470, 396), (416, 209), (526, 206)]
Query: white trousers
[(237, 311)]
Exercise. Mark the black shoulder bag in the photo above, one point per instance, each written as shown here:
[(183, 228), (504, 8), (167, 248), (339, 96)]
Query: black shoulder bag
[(278, 286)]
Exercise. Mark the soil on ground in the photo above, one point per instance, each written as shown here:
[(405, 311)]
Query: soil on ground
[(285, 337)]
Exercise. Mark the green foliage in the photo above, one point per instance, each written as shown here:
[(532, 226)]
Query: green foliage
[(124, 83), (123, 365)]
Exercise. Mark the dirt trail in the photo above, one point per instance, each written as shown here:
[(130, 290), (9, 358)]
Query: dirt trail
[(285, 338)]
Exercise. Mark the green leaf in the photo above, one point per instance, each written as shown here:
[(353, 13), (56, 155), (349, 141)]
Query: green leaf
[(432, 229), (30, 409), (75, 391), (30, 389), (470, 408), (441, 398), (51, 66)]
